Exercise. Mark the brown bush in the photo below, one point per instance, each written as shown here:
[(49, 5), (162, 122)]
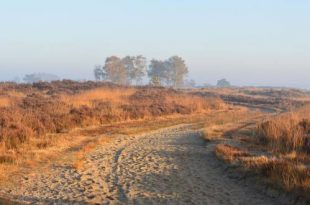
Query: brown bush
[(12, 129)]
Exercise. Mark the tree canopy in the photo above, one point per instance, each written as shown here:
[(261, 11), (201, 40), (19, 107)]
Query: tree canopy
[(132, 69)]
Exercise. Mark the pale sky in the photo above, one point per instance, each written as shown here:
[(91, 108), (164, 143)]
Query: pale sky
[(249, 42)]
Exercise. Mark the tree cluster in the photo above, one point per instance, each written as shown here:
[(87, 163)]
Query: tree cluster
[(223, 83), (40, 77), (132, 69)]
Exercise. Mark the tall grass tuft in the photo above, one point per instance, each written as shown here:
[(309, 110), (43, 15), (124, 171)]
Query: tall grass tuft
[(287, 132)]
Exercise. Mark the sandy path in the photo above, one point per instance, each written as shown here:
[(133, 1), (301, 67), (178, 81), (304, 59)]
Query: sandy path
[(170, 166)]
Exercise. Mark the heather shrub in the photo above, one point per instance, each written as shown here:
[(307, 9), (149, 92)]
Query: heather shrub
[(59, 106)]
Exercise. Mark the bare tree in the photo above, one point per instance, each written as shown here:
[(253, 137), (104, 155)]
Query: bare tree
[(115, 70), (139, 69), (178, 70), (129, 64), (160, 70), (99, 73)]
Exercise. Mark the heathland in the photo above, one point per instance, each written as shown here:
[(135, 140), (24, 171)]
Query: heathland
[(94, 142)]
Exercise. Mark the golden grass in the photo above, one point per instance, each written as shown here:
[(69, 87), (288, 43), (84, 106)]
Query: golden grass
[(291, 176), (41, 124), (196, 102), (9, 98), (287, 132), (71, 148), (222, 124), (88, 147), (36, 154), (5, 102), (111, 95), (285, 135), (229, 153)]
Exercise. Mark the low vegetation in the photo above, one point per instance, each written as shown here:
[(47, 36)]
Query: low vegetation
[(224, 124), (31, 115), (278, 150), (229, 153), (287, 132), (292, 176), (270, 99)]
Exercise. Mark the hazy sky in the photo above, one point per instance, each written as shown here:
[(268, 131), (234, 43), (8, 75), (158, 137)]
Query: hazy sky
[(249, 42)]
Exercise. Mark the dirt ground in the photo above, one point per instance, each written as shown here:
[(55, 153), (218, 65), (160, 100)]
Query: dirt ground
[(169, 166)]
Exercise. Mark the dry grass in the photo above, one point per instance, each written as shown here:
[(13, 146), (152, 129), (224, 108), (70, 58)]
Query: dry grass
[(223, 124), (36, 152), (4, 102), (283, 138), (71, 148), (39, 113), (36, 120), (291, 176), (288, 138), (115, 96), (88, 147), (287, 132), (229, 153), (270, 99)]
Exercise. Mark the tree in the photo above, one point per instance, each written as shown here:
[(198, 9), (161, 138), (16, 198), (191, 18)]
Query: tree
[(40, 77), (223, 83), (178, 70), (115, 70), (99, 73), (135, 67), (190, 83), (139, 69), (129, 65), (159, 70), (155, 81), (31, 78)]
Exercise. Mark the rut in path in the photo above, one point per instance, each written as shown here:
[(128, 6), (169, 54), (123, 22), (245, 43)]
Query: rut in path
[(169, 166)]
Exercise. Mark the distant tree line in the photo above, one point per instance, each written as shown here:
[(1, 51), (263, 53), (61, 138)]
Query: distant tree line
[(40, 77), (223, 83), (132, 69)]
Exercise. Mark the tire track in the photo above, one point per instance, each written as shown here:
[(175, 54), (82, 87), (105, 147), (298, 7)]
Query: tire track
[(168, 166)]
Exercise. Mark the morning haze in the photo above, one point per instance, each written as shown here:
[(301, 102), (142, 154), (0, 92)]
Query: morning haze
[(256, 42), (155, 102)]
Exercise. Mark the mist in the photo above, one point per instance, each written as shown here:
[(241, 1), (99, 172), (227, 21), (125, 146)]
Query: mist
[(257, 43)]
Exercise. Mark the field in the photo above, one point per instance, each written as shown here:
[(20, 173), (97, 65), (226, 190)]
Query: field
[(268, 99), (37, 119), (274, 146), (68, 140)]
